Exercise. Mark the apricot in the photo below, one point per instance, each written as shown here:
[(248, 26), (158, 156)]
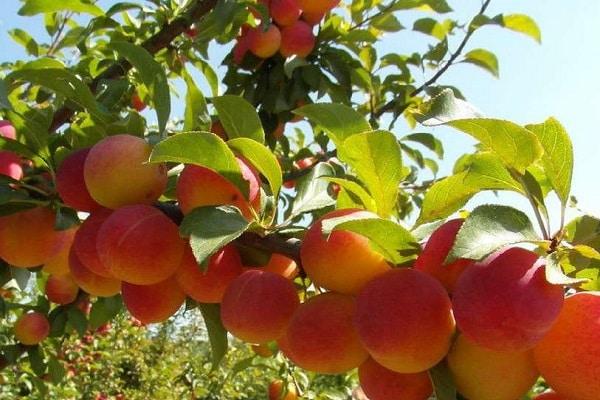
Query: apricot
[(312, 18), (505, 303), (379, 383), (343, 262), (284, 12), (209, 286), (61, 289), (568, 357), (277, 392), (28, 238), (7, 130), (404, 320), (282, 265), (140, 245), (116, 172), (84, 243), (264, 43), (431, 260), (549, 396), (321, 336), (199, 186), (59, 263), (153, 303), (32, 328), (90, 282), (10, 165), (239, 51), (70, 183), (483, 374), (257, 306), (317, 6), (297, 39)]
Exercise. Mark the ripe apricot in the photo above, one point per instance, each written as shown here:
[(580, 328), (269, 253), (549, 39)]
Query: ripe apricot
[(31, 328), (153, 303), (59, 263), (317, 6), (284, 12), (276, 391), (264, 43), (84, 243), (70, 182), (10, 165), (90, 282), (7, 130), (297, 39), (379, 383), (61, 289)]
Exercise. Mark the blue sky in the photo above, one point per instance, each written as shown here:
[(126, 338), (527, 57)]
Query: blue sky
[(557, 78)]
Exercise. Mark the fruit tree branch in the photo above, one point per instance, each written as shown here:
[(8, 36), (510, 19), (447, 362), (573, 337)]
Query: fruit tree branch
[(157, 42)]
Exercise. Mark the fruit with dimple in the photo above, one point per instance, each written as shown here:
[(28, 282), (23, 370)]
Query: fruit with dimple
[(70, 182), (317, 6), (321, 336), (257, 306), (284, 12), (117, 172), (379, 383), (404, 320), (209, 286), (483, 374), (505, 303), (32, 328), (140, 245), (276, 391), (90, 282), (568, 357), (28, 238), (345, 261), (153, 303), (59, 263), (432, 258), (297, 39), (264, 43), (61, 289)]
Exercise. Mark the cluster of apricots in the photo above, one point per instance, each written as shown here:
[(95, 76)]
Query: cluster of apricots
[(498, 324), (289, 32)]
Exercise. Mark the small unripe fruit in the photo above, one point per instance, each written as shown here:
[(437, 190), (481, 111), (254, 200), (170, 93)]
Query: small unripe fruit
[(7, 130), (92, 283), (116, 172), (70, 182), (61, 289), (32, 328), (10, 165), (284, 12), (264, 44), (153, 303), (276, 391), (258, 305), (317, 6), (297, 39), (379, 383)]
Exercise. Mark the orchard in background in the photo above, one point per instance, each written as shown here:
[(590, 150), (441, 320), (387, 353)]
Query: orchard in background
[(285, 209)]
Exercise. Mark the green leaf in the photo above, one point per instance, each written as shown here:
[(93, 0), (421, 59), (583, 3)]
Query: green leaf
[(337, 120), (104, 309), (24, 39), (558, 156), (201, 148), (489, 228), (555, 274), (376, 158), (311, 190), (56, 370), (387, 22), (430, 26), (210, 228), (523, 24), (77, 320), (4, 103), (484, 59), (152, 75), (355, 189), (36, 360), (443, 108), (443, 384), (427, 140), (394, 242), (262, 159), (196, 117), (65, 218), (33, 7), (217, 334), (239, 118)]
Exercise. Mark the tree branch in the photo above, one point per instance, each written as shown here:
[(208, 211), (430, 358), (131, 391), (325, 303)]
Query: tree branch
[(157, 42), (389, 106)]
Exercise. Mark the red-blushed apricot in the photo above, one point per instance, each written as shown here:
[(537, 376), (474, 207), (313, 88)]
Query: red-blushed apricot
[(297, 39), (28, 238), (240, 49), (379, 383), (70, 183), (284, 12), (117, 173), (549, 396), (568, 357), (7, 130), (198, 186), (153, 303), (264, 44), (313, 18), (10, 165), (277, 391), (404, 320), (61, 289), (505, 303), (140, 245), (84, 243), (59, 263), (258, 305), (317, 6), (321, 336), (92, 283), (345, 261), (209, 286), (483, 374), (137, 103), (282, 265), (262, 350), (431, 260), (32, 328)]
